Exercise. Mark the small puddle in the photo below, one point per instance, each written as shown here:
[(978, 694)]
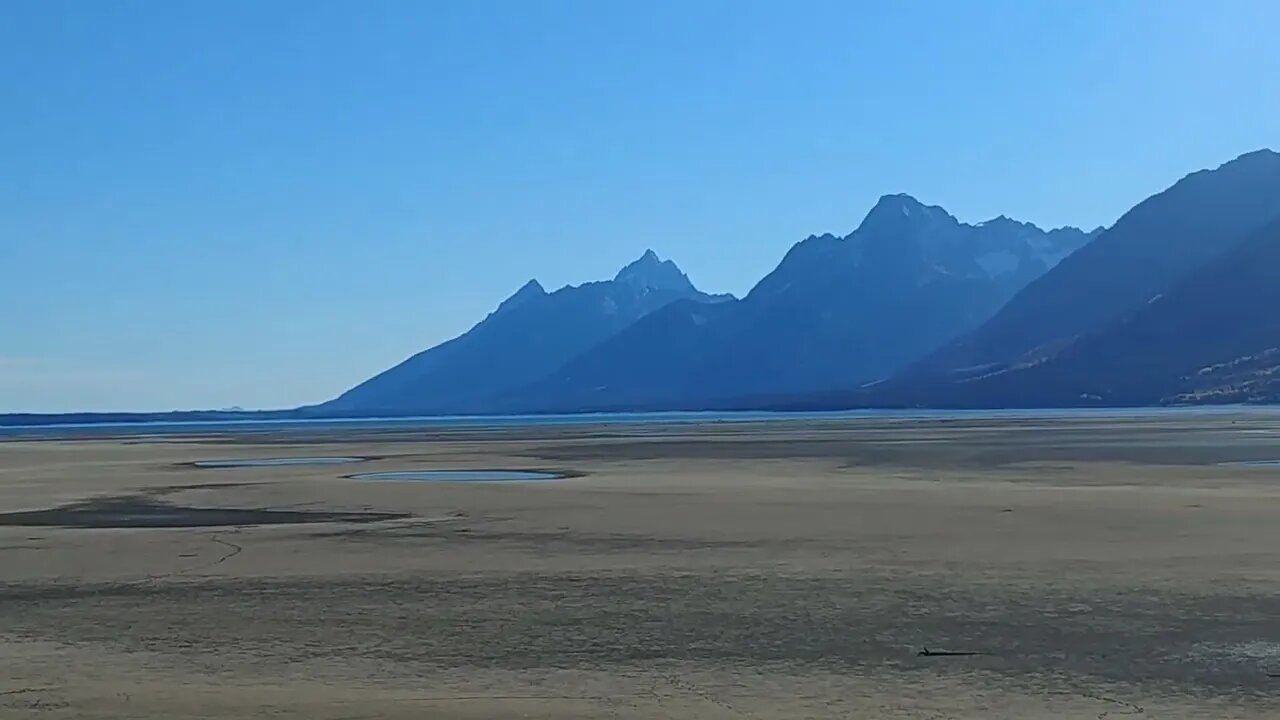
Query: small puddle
[(461, 476), (275, 462), (1254, 463), (1252, 655)]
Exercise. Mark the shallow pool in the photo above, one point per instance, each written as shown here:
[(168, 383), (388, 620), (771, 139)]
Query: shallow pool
[(461, 476), (1254, 463), (273, 462)]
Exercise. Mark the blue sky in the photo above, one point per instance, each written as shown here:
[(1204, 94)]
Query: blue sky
[(205, 204)]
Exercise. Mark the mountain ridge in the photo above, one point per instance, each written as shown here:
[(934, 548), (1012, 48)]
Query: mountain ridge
[(1201, 219), (1143, 357), (526, 336), (798, 324), (913, 306), (1152, 244)]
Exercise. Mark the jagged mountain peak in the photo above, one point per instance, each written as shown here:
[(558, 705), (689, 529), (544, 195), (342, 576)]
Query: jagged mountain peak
[(533, 287), (529, 291), (1004, 221), (901, 202), (901, 208), (653, 273), (912, 286)]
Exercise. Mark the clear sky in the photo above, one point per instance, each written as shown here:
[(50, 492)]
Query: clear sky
[(260, 203)]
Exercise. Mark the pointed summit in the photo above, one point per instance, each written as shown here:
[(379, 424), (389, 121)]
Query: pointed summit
[(529, 291), (653, 273), (532, 288), (893, 212), (897, 203)]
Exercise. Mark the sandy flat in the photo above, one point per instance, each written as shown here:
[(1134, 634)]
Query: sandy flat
[(1053, 568)]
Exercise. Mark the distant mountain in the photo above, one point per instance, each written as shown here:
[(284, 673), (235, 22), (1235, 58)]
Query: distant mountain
[(528, 336), (835, 312), (1046, 346), (1174, 303), (1161, 239), (10, 423), (1212, 336)]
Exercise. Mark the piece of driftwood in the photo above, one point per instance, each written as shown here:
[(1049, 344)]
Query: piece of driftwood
[(946, 653)]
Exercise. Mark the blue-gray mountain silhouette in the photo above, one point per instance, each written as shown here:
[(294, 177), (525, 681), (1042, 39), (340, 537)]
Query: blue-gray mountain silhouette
[(1124, 320), (1151, 246), (1213, 336), (836, 311), (1174, 303), (528, 336)]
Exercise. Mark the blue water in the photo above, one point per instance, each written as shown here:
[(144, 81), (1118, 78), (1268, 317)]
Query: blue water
[(274, 462), (1254, 463), (116, 429), (460, 476)]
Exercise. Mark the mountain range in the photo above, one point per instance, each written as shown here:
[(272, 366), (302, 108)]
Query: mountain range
[(837, 310), (1175, 302), (1111, 323), (529, 335)]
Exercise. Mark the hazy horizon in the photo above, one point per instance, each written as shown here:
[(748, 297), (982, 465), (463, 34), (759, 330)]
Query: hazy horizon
[(254, 205)]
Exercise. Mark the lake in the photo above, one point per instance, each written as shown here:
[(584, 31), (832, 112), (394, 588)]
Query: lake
[(116, 429)]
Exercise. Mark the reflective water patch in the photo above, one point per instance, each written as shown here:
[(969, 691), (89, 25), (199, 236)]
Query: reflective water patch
[(275, 462), (1254, 463), (461, 476)]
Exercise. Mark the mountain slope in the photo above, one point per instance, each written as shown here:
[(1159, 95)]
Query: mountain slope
[(1213, 336), (529, 335), (836, 311), (1155, 243)]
